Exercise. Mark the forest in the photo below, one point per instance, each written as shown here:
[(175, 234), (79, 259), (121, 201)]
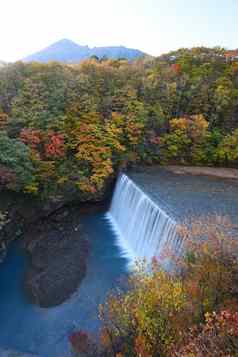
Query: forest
[(70, 128)]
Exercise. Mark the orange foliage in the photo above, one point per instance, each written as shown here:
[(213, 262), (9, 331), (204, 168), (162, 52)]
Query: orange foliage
[(176, 67), (218, 337), (31, 137)]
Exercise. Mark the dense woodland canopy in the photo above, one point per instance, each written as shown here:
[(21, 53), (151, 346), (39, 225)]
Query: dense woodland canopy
[(66, 128)]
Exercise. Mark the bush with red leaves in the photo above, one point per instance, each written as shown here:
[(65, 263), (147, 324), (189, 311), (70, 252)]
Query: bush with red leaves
[(218, 337), (55, 147), (79, 341), (83, 344)]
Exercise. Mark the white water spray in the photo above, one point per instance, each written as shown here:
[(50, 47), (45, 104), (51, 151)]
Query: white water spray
[(143, 228)]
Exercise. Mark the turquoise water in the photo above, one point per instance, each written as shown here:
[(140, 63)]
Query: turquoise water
[(45, 332)]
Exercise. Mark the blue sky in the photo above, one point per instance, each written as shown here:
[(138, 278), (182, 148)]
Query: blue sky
[(154, 26)]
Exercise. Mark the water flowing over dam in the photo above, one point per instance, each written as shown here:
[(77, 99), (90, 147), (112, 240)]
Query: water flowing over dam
[(143, 228)]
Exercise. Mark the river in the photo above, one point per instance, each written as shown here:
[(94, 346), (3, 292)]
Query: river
[(45, 332)]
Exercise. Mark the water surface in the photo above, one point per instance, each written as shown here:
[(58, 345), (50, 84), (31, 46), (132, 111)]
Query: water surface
[(45, 332)]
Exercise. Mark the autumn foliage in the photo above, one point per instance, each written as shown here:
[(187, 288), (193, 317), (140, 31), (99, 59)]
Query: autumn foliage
[(54, 145), (77, 125), (217, 337), (191, 313)]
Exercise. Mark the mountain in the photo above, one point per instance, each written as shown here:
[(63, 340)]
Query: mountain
[(117, 52), (70, 52)]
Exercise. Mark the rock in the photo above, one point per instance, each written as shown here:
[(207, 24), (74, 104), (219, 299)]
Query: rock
[(3, 252), (59, 216), (58, 259), (57, 270)]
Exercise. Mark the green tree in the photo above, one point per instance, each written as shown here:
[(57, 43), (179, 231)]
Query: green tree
[(15, 156)]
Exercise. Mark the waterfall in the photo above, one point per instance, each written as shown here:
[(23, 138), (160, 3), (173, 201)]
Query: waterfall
[(142, 227)]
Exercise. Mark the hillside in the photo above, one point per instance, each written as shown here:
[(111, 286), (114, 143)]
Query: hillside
[(70, 52), (77, 124)]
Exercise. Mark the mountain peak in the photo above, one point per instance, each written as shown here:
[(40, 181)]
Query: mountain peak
[(65, 42), (68, 51)]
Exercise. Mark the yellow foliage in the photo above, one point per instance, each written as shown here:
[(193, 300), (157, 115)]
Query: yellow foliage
[(196, 125), (33, 188), (62, 180)]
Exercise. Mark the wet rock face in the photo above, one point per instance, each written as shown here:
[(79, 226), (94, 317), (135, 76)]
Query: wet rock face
[(17, 211), (58, 259)]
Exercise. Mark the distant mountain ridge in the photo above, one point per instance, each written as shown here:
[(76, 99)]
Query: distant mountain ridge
[(70, 52)]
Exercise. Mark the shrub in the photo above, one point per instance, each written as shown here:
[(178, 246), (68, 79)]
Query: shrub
[(228, 149), (165, 314), (217, 337), (210, 266), (144, 320), (83, 345)]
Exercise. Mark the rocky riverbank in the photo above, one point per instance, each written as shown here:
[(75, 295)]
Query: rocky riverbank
[(219, 172)]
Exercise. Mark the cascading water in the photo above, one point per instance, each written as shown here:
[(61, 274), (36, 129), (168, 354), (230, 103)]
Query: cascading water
[(142, 227)]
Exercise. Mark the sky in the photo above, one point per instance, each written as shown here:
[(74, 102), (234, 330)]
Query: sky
[(153, 26)]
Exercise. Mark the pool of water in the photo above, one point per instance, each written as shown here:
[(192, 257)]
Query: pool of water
[(45, 332)]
